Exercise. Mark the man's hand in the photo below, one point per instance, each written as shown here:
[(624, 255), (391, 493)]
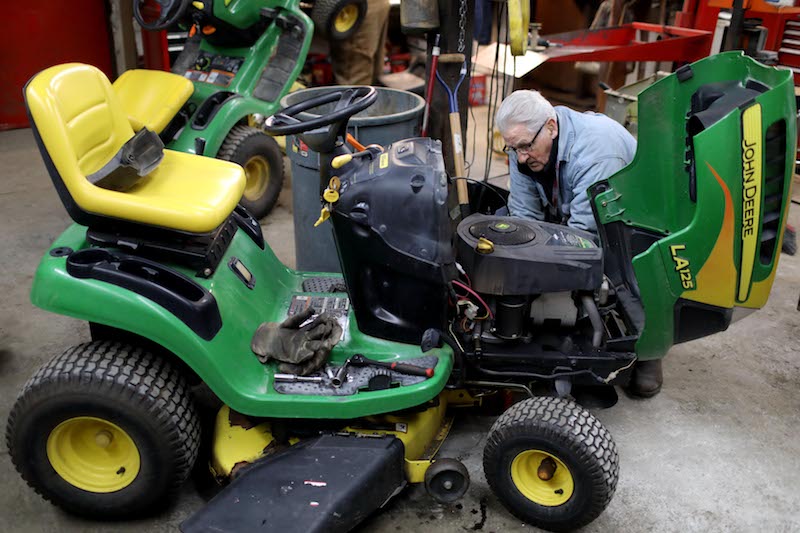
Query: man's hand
[(301, 350)]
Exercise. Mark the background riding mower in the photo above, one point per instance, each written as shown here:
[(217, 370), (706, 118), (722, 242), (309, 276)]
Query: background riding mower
[(174, 280), (241, 58)]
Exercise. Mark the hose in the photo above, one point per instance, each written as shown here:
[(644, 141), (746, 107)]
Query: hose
[(594, 318)]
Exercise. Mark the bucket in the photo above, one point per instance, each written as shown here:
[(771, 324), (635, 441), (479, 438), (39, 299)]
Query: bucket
[(394, 116)]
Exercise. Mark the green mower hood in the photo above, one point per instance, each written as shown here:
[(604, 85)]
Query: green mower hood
[(693, 226)]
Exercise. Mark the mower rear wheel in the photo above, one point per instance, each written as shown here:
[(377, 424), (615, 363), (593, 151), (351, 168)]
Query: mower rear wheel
[(261, 158), (105, 430), (338, 19), (551, 463)]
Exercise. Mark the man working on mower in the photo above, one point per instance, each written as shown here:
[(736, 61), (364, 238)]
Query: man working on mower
[(554, 155)]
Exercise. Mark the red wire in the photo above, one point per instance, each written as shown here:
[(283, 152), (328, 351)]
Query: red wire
[(476, 295)]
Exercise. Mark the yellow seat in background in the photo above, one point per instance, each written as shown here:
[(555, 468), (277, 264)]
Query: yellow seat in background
[(152, 97)]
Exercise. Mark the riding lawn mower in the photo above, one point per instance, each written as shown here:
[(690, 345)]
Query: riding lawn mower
[(240, 59), (438, 310)]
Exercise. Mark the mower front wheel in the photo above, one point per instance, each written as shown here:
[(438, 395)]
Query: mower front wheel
[(261, 158), (105, 430), (551, 463)]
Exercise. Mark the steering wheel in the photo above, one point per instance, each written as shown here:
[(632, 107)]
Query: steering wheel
[(350, 101), (171, 12)]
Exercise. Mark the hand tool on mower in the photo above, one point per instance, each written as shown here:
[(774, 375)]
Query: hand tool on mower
[(412, 370)]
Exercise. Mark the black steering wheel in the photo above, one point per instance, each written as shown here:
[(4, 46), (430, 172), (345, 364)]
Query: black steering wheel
[(171, 12), (350, 101)]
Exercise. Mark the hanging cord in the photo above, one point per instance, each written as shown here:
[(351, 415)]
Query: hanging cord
[(468, 164), (493, 87)]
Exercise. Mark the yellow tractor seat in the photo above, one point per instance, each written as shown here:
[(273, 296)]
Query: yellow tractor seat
[(152, 97), (80, 126)]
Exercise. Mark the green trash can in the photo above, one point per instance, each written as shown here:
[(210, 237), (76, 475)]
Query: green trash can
[(394, 116)]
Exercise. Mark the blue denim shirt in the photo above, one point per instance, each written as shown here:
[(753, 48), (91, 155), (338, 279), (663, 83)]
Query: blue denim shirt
[(591, 147)]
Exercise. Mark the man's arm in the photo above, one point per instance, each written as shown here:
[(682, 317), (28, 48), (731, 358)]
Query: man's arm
[(523, 198), (580, 210)]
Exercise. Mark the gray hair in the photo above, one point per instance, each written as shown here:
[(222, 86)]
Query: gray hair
[(528, 108)]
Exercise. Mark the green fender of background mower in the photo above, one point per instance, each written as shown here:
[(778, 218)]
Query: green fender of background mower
[(236, 110), (703, 258), (245, 13), (226, 363)]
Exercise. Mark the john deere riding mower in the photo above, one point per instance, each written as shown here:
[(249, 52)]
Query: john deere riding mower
[(432, 311), (241, 58)]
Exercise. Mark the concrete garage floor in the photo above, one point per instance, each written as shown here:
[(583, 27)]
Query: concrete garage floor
[(717, 450)]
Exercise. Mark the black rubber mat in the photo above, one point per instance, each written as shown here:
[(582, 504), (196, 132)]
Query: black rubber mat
[(324, 285), (280, 67)]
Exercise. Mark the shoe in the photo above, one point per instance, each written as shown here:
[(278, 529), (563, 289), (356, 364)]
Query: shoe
[(647, 379)]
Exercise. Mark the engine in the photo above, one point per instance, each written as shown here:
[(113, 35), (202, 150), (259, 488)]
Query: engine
[(395, 240), (531, 272)]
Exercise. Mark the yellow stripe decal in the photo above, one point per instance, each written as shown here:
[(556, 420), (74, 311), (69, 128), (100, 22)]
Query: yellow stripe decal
[(751, 194), (716, 280)]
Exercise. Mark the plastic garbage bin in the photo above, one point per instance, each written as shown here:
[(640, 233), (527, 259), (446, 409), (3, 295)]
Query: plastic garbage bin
[(395, 115)]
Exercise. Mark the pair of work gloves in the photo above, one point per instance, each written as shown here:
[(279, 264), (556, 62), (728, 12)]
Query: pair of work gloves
[(299, 350)]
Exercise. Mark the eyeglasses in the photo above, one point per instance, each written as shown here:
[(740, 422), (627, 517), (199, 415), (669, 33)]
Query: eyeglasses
[(527, 147)]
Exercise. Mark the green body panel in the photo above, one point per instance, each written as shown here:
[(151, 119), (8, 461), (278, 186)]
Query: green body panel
[(256, 58), (245, 13), (701, 256), (235, 111), (226, 363)]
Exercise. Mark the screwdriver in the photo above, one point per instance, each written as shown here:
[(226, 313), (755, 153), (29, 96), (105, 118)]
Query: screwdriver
[(403, 368)]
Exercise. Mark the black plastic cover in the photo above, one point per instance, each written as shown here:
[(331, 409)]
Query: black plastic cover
[(392, 231), (180, 295), (199, 251), (209, 108), (328, 484), (249, 225), (694, 320), (402, 195), (546, 257)]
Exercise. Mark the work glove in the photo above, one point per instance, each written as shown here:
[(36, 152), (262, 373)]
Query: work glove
[(300, 350)]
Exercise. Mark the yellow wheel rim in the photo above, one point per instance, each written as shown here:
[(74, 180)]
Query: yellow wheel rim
[(346, 18), (257, 171), (93, 454), (550, 492)]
